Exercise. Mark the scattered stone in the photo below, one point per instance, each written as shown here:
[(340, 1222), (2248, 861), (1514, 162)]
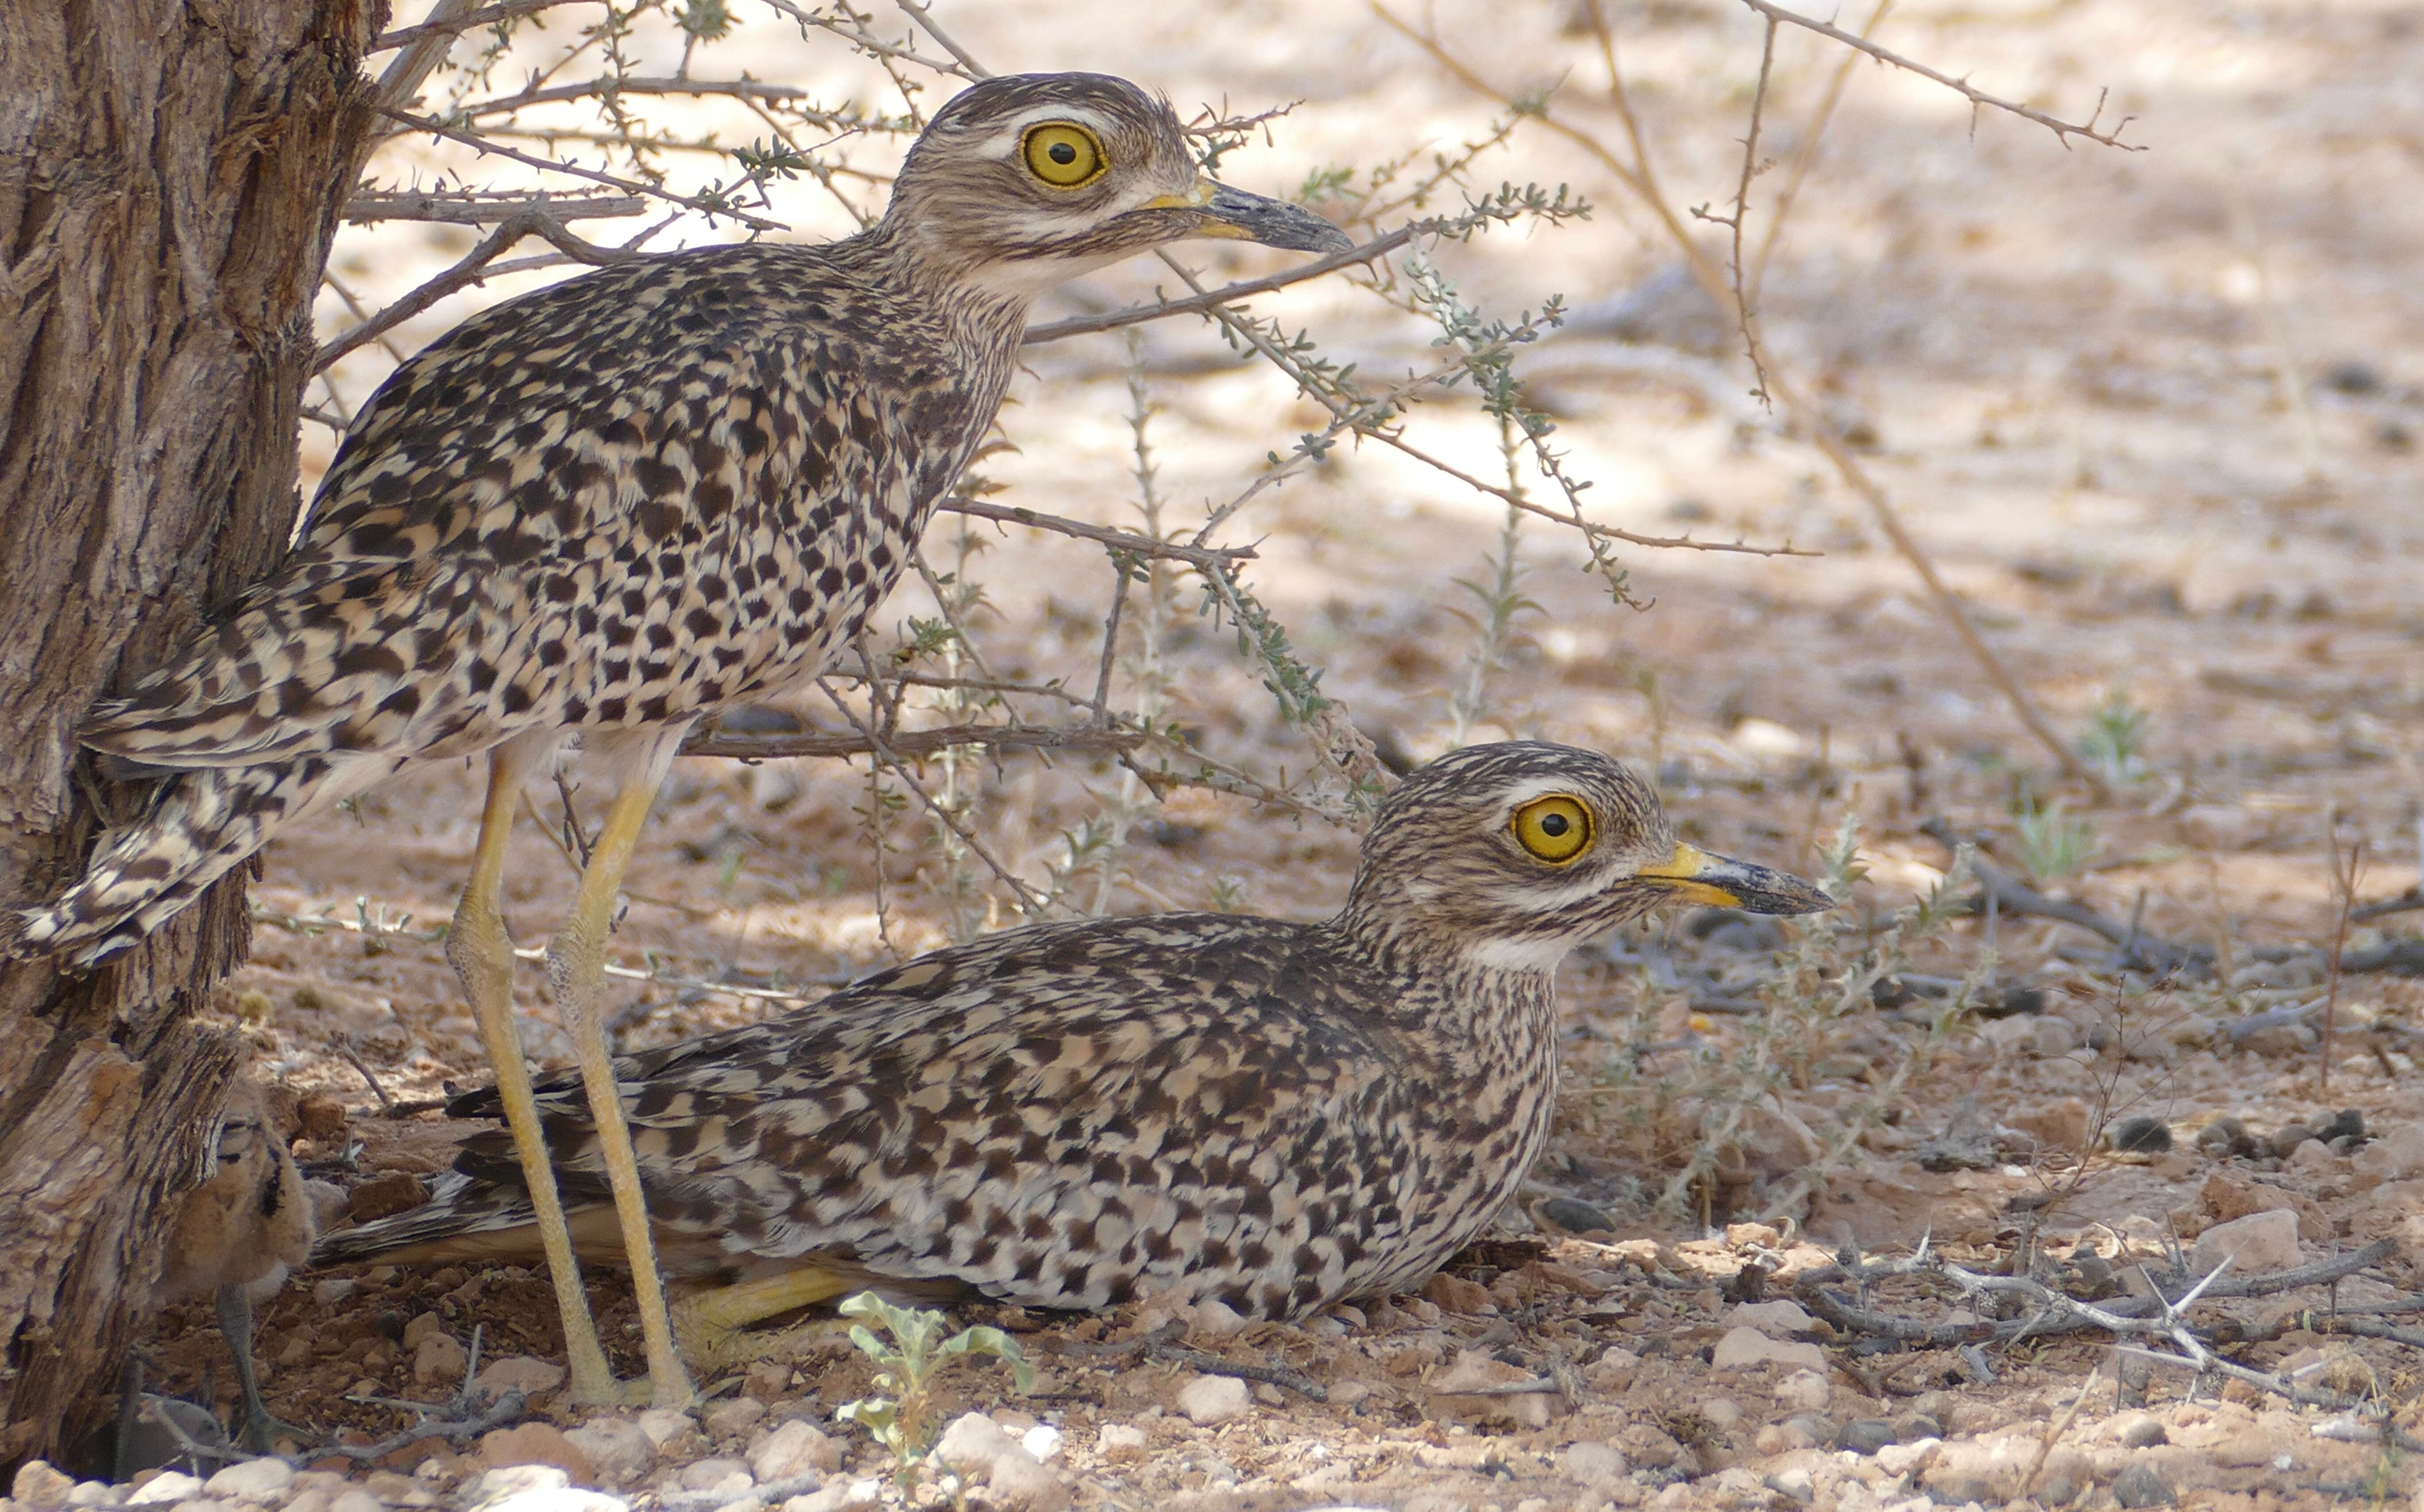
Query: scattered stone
[(2225, 1137), (1119, 1438), (166, 1488), (2348, 1124), (731, 1417), (1208, 1400), (203, 1504), (332, 1292), (666, 1424), (1744, 1347), (439, 1358), (536, 1489), (1614, 1370), (1904, 1459), (2258, 1242), (2395, 1155), (1575, 1215), (526, 1374), (1021, 1483), (323, 1119), (1803, 1391), (2140, 1483), (1594, 1464), (420, 1327), (2141, 1431), (618, 1451), (1778, 1320), (1454, 1294), (1043, 1441), (717, 1474), (2314, 1158), (2287, 1139), (2056, 1123), (1216, 1319), (263, 1480), (2143, 1134), (385, 1194), (794, 1448), (354, 1499), (1865, 1435), (536, 1444), (40, 1485)]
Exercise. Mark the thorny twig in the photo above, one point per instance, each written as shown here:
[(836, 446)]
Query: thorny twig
[(2062, 129), (483, 144)]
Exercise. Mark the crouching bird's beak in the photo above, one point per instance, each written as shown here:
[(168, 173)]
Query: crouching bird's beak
[(1221, 210), (1721, 882)]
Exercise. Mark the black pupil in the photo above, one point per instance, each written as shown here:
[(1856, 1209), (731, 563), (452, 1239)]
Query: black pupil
[(1061, 152), (1553, 825)]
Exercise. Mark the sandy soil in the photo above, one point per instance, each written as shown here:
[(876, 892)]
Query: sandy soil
[(2069, 368)]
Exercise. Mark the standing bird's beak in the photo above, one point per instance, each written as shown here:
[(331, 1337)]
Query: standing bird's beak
[(1218, 209), (1721, 882)]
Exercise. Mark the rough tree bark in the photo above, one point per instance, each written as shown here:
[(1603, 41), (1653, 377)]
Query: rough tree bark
[(170, 175)]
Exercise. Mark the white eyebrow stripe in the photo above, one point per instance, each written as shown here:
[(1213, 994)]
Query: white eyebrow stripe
[(1011, 132)]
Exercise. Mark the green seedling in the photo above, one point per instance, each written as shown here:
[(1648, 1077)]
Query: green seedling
[(910, 1355)]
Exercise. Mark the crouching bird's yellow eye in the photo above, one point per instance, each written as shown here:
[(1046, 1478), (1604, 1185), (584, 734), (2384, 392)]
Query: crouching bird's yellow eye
[(1063, 155), (1557, 828)]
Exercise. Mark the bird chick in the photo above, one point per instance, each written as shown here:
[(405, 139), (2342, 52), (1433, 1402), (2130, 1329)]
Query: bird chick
[(238, 1235)]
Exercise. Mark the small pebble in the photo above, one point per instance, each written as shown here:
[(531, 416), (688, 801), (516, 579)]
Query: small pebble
[(2141, 1134), (732, 1419), (1119, 1438), (1865, 1435), (263, 1480), (166, 1488), (2141, 1485), (1209, 1400)]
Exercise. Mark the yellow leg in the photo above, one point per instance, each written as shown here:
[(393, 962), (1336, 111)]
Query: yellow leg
[(710, 1321), (576, 962), (482, 955)]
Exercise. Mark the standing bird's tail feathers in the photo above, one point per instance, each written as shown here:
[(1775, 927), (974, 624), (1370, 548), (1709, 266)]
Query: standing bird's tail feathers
[(203, 823)]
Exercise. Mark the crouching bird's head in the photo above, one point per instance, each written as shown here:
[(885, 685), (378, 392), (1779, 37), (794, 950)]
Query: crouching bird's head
[(1514, 853)]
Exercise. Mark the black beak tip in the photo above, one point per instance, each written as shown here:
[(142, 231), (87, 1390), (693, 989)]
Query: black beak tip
[(1783, 892)]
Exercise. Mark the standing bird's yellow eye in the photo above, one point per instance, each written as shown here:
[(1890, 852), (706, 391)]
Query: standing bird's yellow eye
[(1063, 155), (1556, 829)]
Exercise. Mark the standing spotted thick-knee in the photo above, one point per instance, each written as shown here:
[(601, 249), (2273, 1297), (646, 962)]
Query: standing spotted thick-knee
[(608, 509)]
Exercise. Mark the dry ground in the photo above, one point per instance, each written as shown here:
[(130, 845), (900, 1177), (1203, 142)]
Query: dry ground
[(2068, 367)]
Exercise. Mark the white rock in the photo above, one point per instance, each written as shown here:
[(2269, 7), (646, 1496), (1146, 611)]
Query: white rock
[(1721, 1411), (262, 1480), (39, 1485), (617, 1448), (1208, 1400), (334, 1290), (733, 1418), (1901, 1458), (1217, 1319), (1804, 1390), (793, 1448), (973, 1444), (2258, 1242), (663, 1424), (560, 1499), (1776, 1320), (1594, 1464), (203, 1504), (1018, 1480), (1119, 1438), (2395, 1155), (356, 1499), (166, 1488), (93, 1494), (1042, 1442), (497, 1485), (2313, 1157), (1744, 1347), (526, 1374)]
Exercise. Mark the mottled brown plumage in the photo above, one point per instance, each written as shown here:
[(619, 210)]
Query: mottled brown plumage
[(1189, 1106), (606, 510), (238, 1232)]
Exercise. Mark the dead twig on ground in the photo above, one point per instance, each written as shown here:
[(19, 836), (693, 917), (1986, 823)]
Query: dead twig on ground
[(916, 745)]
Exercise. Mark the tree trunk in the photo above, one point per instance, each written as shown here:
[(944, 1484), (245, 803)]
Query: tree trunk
[(170, 175)]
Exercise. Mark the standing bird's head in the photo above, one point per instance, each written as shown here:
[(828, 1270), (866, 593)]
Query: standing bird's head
[(1512, 855), (1023, 182)]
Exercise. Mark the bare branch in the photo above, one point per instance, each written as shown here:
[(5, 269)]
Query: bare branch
[(1117, 540), (741, 88), (477, 209), (472, 269), (482, 143), (462, 21), (2062, 129), (913, 745), (925, 18), (1203, 304)]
